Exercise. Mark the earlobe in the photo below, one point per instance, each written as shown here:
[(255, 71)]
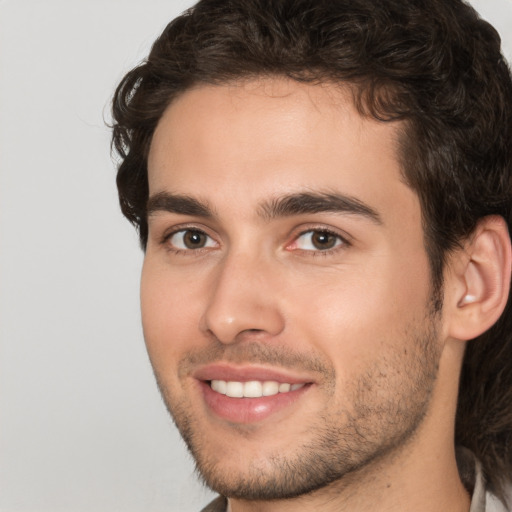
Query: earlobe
[(482, 273), (467, 299)]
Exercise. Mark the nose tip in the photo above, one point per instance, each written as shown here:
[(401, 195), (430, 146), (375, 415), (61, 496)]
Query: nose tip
[(242, 302), (232, 328)]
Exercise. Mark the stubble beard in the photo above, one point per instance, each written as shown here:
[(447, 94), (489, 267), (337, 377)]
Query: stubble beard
[(388, 404)]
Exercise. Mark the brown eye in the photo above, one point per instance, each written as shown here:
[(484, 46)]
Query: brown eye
[(194, 239), (318, 240), (323, 240), (190, 239)]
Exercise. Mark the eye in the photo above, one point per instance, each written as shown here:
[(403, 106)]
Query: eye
[(317, 240), (189, 239)]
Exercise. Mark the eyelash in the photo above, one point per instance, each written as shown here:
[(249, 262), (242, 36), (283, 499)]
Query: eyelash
[(184, 229), (344, 243)]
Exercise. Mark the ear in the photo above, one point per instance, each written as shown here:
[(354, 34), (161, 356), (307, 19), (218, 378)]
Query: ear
[(478, 280)]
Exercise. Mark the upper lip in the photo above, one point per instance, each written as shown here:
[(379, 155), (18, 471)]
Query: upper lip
[(228, 372)]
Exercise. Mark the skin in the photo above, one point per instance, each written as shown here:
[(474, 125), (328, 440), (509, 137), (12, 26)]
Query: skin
[(354, 321)]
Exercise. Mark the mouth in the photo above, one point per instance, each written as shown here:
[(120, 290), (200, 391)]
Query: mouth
[(252, 388), (250, 395)]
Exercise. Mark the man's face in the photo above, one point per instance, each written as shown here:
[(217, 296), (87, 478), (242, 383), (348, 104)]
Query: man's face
[(285, 262)]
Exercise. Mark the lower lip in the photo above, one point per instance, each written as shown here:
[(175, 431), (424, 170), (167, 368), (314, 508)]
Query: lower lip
[(248, 410)]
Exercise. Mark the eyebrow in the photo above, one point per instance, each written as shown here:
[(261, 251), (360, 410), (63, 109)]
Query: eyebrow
[(317, 202), (284, 206), (177, 203)]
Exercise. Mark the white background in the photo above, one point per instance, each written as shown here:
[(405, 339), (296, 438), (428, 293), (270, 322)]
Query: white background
[(82, 427)]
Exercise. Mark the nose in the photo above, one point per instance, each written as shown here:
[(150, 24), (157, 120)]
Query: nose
[(243, 299)]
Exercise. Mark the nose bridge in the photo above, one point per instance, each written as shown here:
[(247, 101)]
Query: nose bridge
[(243, 298)]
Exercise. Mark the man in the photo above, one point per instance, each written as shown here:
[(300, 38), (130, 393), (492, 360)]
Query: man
[(323, 190)]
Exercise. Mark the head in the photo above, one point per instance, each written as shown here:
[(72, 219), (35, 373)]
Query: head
[(433, 79)]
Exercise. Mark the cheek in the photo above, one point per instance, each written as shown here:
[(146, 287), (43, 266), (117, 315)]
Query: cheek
[(361, 314), (169, 314)]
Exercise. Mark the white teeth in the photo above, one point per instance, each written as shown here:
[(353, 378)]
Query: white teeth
[(253, 388), (235, 389), (219, 386), (270, 388)]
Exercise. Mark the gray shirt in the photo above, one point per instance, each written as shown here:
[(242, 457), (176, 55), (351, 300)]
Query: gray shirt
[(471, 474)]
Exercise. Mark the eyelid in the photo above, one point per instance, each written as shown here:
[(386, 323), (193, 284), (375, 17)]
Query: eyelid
[(170, 232), (192, 226), (342, 236), (345, 238)]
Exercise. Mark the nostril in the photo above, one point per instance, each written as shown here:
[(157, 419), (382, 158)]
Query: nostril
[(231, 317)]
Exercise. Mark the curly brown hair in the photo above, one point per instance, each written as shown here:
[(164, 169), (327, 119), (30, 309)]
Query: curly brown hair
[(433, 64)]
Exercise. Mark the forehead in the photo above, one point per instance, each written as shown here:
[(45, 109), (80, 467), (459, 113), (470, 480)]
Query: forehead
[(265, 137)]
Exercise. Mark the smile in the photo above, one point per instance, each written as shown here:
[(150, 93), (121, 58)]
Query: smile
[(253, 388), (245, 394)]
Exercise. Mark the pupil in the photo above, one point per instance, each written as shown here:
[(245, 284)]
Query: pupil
[(194, 239), (323, 240)]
